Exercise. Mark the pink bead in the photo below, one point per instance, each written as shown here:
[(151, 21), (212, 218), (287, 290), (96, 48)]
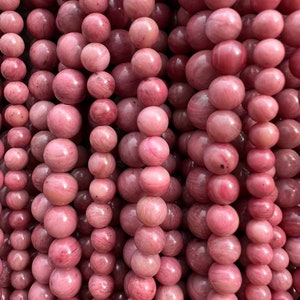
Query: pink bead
[(260, 185), (269, 4), (20, 239), (262, 108), (65, 282), (280, 259), (15, 180), (143, 32), (101, 286), (225, 279), (229, 57), (152, 120), (102, 263), (198, 191), (11, 44), (16, 92), (40, 239), (289, 221), (199, 109), (223, 189), (39, 291), (143, 9), (65, 252), (220, 158), (69, 86), (283, 295), (292, 244), (222, 220), (103, 112), (264, 135), (103, 239), (11, 21), (149, 240), (38, 114), (226, 92), (261, 208), (197, 256), (95, 210), (221, 119), (275, 79), (196, 221), (199, 70), (259, 231), (39, 206), (120, 47), (128, 185), (152, 91), (224, 250), (288, 129), (259, 274), (40, 23), (128, 110), (145, 265), (96, 27), (281, 280), (226, 19), (287, 163), (16, 115), (21, 280), (258, 292), (153, 151), (174, 243), (195, 31), (101, 85), (260, 160), (220, 4), (69, 17), (13, 68), (173, 218), (169, 272), (103, 138), (198, 286), (89, 6), (42, 268), (151, 211), (128, 219), (60, 155), (169, 291), (42, 54), (290, 29), (216, 296), (69, 48), (128, 250), (146, 56), (64, 121), (95, 57), (15, 159), (102, 190), (129, 149), (154, 181), (259, 254), (268, 53), (276, 218), (60, 221), (275, 22), (296, 280), (101, 165)]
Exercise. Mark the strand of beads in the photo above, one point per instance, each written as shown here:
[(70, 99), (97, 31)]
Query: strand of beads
[(15, 195)]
